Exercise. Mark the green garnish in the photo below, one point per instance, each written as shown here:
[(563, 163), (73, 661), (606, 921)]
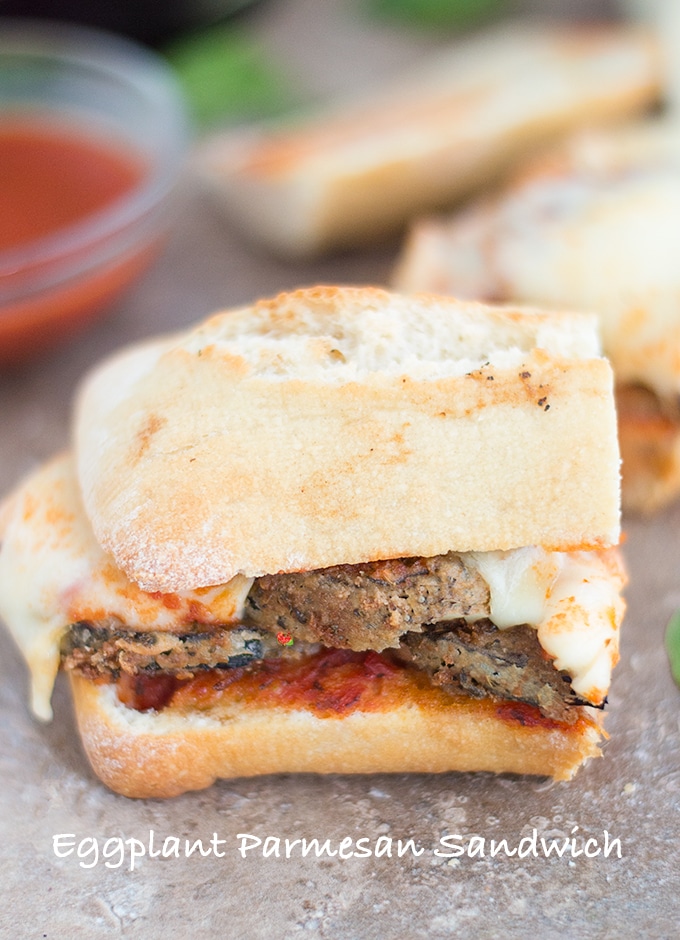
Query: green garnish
[(226, 76), (438, 13), (672, 639)]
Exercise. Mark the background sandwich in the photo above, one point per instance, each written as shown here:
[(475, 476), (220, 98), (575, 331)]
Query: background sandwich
[(593, 225), (339, 531), (358, 171)]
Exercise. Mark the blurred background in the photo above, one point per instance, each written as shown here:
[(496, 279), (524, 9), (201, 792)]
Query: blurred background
[(156, 23)]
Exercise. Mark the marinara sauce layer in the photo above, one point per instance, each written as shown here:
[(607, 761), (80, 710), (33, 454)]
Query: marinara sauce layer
[(330, 683)]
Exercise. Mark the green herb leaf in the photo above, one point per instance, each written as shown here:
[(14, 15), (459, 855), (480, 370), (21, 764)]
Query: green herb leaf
[(226, 75), (438, 13), (673, 645)]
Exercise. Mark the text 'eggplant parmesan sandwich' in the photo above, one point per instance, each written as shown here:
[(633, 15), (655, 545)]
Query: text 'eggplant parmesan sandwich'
[(338, 531)]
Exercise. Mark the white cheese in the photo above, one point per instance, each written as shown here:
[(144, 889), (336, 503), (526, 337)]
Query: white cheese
[(519, 583)]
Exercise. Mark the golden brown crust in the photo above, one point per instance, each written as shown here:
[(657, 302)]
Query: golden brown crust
[(335, 426), (167, 753)]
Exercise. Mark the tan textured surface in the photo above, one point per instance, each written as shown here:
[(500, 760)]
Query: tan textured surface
[(177, 474), (46, 787)]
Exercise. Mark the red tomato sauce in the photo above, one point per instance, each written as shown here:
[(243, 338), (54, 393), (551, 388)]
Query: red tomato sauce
[(51, 179), (329, 683)]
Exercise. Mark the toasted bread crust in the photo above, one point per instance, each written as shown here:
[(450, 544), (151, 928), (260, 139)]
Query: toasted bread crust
[(167, 753), (592, 224)]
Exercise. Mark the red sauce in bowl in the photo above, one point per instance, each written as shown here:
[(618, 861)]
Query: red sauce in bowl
[(50, 179), (56, 269)]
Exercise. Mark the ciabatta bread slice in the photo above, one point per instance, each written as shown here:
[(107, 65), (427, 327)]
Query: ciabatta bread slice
[(339, 425)]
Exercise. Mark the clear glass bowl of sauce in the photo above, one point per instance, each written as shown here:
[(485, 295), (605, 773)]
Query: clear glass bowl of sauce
[(93, 136)]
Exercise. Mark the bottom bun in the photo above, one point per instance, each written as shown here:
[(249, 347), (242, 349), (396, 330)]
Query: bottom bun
[(650, 450), (165, 753)]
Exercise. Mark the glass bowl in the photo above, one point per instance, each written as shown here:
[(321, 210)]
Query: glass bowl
[(114, 104)]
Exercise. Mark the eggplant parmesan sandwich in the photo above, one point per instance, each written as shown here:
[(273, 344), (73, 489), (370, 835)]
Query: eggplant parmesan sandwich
[(339, 531)]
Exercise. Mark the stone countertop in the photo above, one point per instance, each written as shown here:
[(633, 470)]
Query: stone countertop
[(628, 802)]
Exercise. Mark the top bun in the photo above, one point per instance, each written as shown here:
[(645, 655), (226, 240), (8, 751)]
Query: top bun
[(338, 425)]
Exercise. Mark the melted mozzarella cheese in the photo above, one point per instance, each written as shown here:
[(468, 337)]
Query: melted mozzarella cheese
[(572, 599), (519, 583), (54, 573)]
